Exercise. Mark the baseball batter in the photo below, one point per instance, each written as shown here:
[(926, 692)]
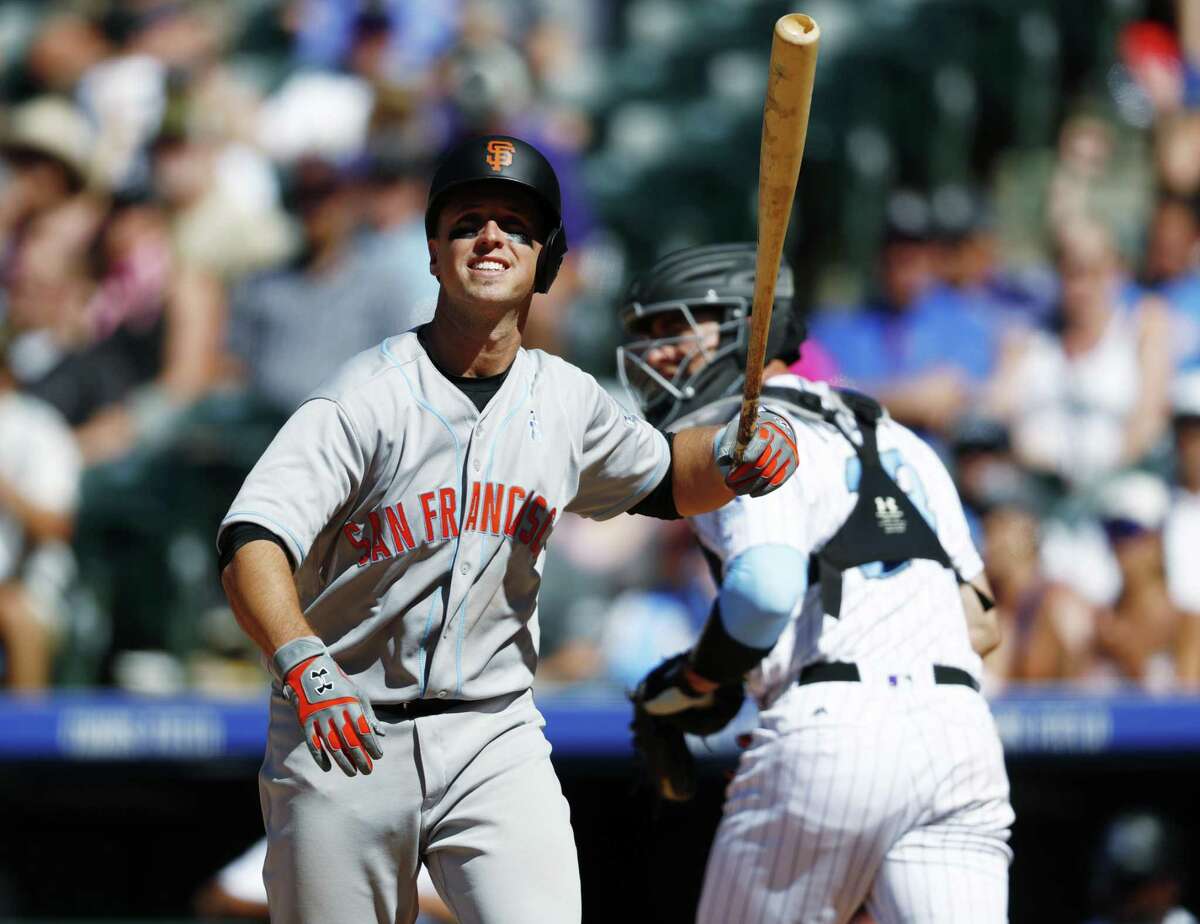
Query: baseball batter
[(385, 554), (854, 593)]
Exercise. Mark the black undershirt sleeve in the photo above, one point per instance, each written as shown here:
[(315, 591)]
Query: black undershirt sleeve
[(660, 503), (238, 535)]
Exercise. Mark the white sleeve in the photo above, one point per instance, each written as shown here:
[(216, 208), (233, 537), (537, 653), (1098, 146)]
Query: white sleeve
[(313, 466), (952, 529), (1181, 538), (52, 482), (623, 458)]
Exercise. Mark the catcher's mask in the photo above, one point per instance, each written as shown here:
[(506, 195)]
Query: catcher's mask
[(504, 159), (680, 293)]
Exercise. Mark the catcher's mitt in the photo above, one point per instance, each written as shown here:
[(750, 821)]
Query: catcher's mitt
[(658, 737)]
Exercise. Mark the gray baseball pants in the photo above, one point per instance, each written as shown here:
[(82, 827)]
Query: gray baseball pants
[(470, 790)]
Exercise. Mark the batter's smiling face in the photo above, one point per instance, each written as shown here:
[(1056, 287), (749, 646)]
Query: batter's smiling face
[(487, 245)]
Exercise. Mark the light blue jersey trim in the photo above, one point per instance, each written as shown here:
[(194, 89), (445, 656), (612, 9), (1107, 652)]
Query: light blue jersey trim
[(248, 516), (487, 476), (759, 590), (425, 406)]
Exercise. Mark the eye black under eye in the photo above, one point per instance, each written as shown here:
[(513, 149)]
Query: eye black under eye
[(471, 224)]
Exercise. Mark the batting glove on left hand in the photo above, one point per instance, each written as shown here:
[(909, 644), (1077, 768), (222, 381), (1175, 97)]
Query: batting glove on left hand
[(338, 720), (770, 457)]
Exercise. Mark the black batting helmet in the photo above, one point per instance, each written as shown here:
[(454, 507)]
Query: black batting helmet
[(502, 158), (699, 283)]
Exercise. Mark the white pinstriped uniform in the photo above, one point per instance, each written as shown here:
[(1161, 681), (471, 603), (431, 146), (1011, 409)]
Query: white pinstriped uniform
[(890, 791)]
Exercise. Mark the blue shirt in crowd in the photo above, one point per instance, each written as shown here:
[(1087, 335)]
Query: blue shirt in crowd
[(875, 344)]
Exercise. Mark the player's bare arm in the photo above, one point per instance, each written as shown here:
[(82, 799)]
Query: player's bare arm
[(982, 625), (339, 724), (697, 484), (258, 583)]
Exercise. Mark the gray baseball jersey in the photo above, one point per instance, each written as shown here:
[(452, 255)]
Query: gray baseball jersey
[(419, 524), (891, 790)]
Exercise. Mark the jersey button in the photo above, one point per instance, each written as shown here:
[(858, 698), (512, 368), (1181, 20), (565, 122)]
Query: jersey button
[(441, 694), (477, 464), (464, 567)]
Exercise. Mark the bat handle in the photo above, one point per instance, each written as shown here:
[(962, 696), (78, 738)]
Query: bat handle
[(745, 427), (751, 389)]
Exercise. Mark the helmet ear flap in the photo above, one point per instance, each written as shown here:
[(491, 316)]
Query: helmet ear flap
[(550, 259)]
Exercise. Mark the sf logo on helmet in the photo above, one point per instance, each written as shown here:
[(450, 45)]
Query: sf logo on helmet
[(499, 154), (324, 685)]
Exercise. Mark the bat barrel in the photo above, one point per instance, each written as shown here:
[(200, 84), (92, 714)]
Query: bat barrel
[(785, 125)]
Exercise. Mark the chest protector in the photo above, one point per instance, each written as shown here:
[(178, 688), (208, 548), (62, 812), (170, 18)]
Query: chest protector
[(885, 525)]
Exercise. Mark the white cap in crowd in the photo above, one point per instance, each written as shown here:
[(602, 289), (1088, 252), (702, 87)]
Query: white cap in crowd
[(1138, 498), (1185, 394)]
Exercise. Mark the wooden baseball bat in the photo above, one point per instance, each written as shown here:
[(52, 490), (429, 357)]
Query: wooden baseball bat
[(785, 125)]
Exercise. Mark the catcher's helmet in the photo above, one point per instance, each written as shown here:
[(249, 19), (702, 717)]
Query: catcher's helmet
[(504, 158), (692, 285)]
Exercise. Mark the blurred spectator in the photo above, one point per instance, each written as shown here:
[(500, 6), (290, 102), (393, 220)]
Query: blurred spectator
[(920, 348), (160, 44), (417, 33), (1170, 271), (48, 286), (968, 261), (588, 565), (223, 203), (984, 468), (1150, 57), (1093, 173), (1177, 154), (1138, 638), (39, 487), (1040, 619), (46, 149), (1138, 873), (645, 625), (290, 328), (617, 598), (66, 46), (1181, 536), (396, 188), (150, 338), (1089, 397), (1095, 179)]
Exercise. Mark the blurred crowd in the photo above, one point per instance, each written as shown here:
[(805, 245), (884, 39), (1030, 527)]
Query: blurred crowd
[(206, 207), (1044, 333)]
